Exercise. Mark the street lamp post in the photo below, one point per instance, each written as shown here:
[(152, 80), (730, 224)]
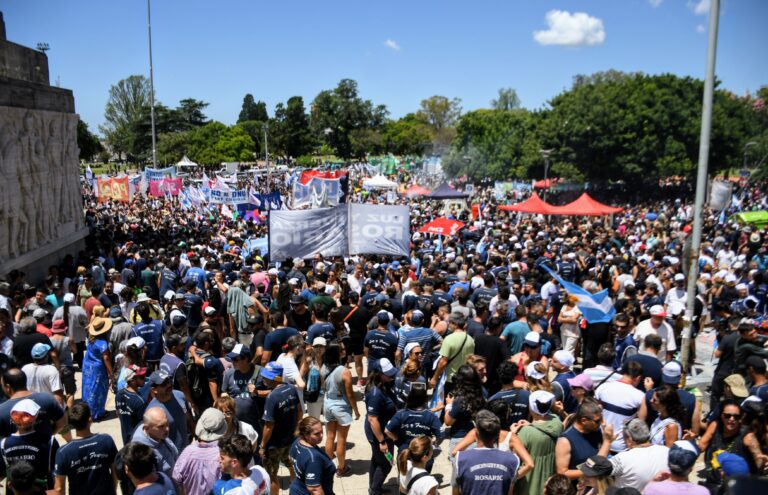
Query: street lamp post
[(266, 153), (751, 143), (546, 154)]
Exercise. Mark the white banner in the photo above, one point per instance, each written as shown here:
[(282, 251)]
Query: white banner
[(231, 197)]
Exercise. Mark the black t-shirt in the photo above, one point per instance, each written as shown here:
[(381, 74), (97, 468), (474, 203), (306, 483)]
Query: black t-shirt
[(495, 352), (381, 344), (86, 463), (300, 321), (276, 339), (23, 344), (727, 348), (258, 340), (50, 412), (518, 404), (357, 321)]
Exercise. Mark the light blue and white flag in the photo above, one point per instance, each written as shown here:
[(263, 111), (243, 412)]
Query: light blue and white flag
[(596, 308)]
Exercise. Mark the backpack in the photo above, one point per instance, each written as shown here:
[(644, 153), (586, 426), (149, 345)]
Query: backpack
[(312, 392), (197, 381)]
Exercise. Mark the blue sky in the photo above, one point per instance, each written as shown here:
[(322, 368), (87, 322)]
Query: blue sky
[(399, 52)]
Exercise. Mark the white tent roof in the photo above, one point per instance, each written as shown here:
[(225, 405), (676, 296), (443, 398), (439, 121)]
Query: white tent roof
[(186, 162), (379, 181)]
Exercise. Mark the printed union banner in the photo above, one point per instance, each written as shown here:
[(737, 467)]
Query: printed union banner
[(379, 229), (231, 197), (115, 189), (303, 233), (159, 188), (159, 173)]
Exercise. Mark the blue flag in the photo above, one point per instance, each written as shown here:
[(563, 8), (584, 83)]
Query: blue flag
[(596, 308)]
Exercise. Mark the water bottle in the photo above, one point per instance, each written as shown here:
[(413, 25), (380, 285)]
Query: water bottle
[(389, 457)]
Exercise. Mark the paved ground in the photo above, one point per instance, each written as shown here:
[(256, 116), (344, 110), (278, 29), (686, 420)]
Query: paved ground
[(358, 449)]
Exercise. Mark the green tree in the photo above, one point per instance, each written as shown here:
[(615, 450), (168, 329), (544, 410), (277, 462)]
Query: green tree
[(190, 114), (507, 100), (441, 115), (123, 113), (215, 143), (253, 110), (88, 143), (172, 146), (407, 136), (339, 113), (294, 126)]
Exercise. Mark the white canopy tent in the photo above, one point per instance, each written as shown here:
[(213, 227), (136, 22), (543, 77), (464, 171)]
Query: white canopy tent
[(186, 162), (379, 182)]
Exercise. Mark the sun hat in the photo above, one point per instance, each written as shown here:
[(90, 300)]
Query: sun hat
[(211, 425), (133, 371), (581, 381), (99, 326), (40, 350), (532, 372), (738, 385), (671, 372), (565, 358), (59, 326), (387, 367), (272, 371), (26, 406), (541, 402)]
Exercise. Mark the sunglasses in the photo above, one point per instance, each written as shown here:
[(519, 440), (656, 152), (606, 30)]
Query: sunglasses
[(418, 353), (731, 416)]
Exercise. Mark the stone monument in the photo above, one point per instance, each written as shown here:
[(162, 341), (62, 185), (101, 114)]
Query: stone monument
[(41, 205)]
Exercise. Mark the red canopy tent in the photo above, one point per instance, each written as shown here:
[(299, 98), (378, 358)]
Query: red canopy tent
[(545, 183), (534, 204), (416, 190), (584, 206), (442, 226)]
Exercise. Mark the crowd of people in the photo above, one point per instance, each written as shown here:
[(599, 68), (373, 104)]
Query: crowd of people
[(226, 365)]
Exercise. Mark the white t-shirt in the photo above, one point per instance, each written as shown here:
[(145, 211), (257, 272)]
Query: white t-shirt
[(664, 331), (290, 373), (676, 300), (636, 467), (42, 378), (422, 486), (620, 402)]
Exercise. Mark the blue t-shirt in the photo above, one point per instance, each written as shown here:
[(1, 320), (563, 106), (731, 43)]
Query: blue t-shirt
[(380, 405), (176, 412), (236, 385), (32, 447), (130, 409), (50, 412), (313, 467), (198, 275), (87, 462), (518, 403), (570, 404), (152, 333), (162, 486), (281, 407), (380, 345), (760, 391), (463, 423), (193, 308), (408, 424), (323, 329), (486, 471), (514, 334)]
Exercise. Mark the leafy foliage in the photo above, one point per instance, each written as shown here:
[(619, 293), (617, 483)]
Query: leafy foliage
[(253, 110), (87, 142)]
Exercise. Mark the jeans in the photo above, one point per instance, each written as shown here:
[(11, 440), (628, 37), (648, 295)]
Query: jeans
[(379, 468)]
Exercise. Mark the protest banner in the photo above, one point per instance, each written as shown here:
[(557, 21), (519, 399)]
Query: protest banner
[(151, 174), (378, 229), (229, 197), (115, 188), (159, 188), (303, 233)]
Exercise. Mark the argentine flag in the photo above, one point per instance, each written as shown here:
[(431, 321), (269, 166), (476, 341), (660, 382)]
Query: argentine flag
[(596, 308)]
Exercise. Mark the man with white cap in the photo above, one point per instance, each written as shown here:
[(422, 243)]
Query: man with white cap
[(539, 438), (129, 403), (677, 296), (26, 445), (656, 324), (671, 374), (562, 362), (681, 459), (198, 467), (51, 417), (78, 321)]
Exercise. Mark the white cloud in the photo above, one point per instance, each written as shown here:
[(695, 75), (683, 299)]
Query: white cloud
[(699, 7), (655, 3), (700, 28), (392, 44), (578, 29)]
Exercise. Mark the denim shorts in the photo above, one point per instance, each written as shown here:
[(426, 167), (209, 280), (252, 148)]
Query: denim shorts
[(337, 410)]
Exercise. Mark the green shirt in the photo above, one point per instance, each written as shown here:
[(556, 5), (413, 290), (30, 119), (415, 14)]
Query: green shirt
[(458, 346)]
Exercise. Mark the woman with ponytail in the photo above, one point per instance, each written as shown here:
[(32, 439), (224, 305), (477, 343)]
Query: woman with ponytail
[(412, 464)]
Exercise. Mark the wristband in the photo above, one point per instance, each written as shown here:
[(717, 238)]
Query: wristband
[(382, 442)]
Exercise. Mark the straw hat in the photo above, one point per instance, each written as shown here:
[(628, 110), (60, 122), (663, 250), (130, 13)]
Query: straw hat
[(99, 326)]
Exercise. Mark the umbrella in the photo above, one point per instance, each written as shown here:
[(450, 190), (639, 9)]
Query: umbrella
[(417, 190), (442, 226)]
